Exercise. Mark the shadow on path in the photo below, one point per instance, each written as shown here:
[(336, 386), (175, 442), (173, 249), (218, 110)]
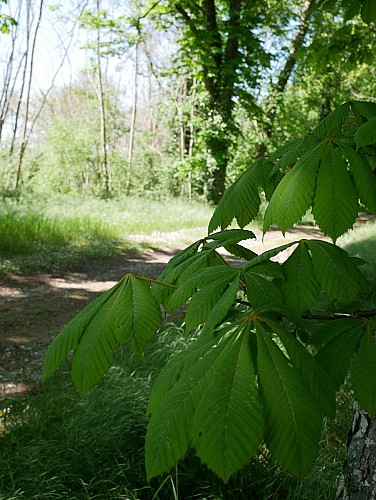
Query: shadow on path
[(35, 307)]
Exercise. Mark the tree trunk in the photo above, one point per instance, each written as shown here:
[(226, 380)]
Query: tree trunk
[(217, 171), (25, 60), (102, 111), (27, 107), (358, 481), (132, 128)]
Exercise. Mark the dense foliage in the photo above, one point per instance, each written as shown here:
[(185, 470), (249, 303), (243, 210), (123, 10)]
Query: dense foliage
[(275, 338), (175, 98)]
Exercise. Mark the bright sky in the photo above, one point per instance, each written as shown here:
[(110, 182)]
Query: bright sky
[(55, 42)]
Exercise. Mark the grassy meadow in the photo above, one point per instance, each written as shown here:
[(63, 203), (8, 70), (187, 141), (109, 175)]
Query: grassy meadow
[(56, 231), (56, 445)]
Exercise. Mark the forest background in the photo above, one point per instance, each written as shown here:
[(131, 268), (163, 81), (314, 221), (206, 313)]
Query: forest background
[(167, 98)]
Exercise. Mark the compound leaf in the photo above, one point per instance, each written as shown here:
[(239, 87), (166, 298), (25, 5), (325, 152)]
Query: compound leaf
[(335, 271), (132, 316), (294, 193), (221, 308), (240, 201), (169, 432), (228, 422), (200, 279), (364, 178), (67, 340), (300, 288), (261, 291), (127, 313), (336, 354), (335, 205), (332, 123), (292, 438), (366, 133), (205, 302), (314, 375)]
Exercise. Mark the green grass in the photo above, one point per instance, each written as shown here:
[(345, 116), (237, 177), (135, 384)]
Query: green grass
[(56, 231), (55, 445), (360, 242)]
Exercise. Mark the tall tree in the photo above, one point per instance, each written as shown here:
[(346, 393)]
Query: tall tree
[(94, 22), (218, 38), (29, 64)]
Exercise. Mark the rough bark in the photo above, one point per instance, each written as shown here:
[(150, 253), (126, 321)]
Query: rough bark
[(358, 481)]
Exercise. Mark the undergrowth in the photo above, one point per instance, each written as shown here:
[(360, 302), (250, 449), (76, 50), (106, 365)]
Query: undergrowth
[(55, 445)]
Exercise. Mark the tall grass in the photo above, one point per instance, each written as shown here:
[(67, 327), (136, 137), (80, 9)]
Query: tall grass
[(360, 242), (55, 445), (60, 229)]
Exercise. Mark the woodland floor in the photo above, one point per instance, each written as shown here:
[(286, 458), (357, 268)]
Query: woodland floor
[(35, 307)]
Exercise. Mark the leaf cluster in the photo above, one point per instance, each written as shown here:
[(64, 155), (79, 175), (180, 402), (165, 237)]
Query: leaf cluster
[(263, 369)]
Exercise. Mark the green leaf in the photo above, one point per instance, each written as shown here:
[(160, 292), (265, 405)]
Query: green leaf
[(332, 123), (368, 11), (314, 376), (335, 205), (212, 275), (363, 373), (183, 271), (336, 354), (142, 318), (181, 256), (300, 288), (351, 9), (67, 340), (366, 133), (240, 251), (223, 305), (297, 149), (288, 146), (260, 291), (366, 109), (330, 329), (263, 170), (204, 301), (127, 313), (228, 422), (173, 269), (293, 420), (265, 256), (178, 364), (335, 271), (230, 236), (169, 432), (131, 316), (267, 268), (294, 193), (364, 178), (240, 201)]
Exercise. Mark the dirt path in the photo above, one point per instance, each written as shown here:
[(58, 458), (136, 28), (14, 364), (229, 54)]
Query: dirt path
[(35, 307)]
